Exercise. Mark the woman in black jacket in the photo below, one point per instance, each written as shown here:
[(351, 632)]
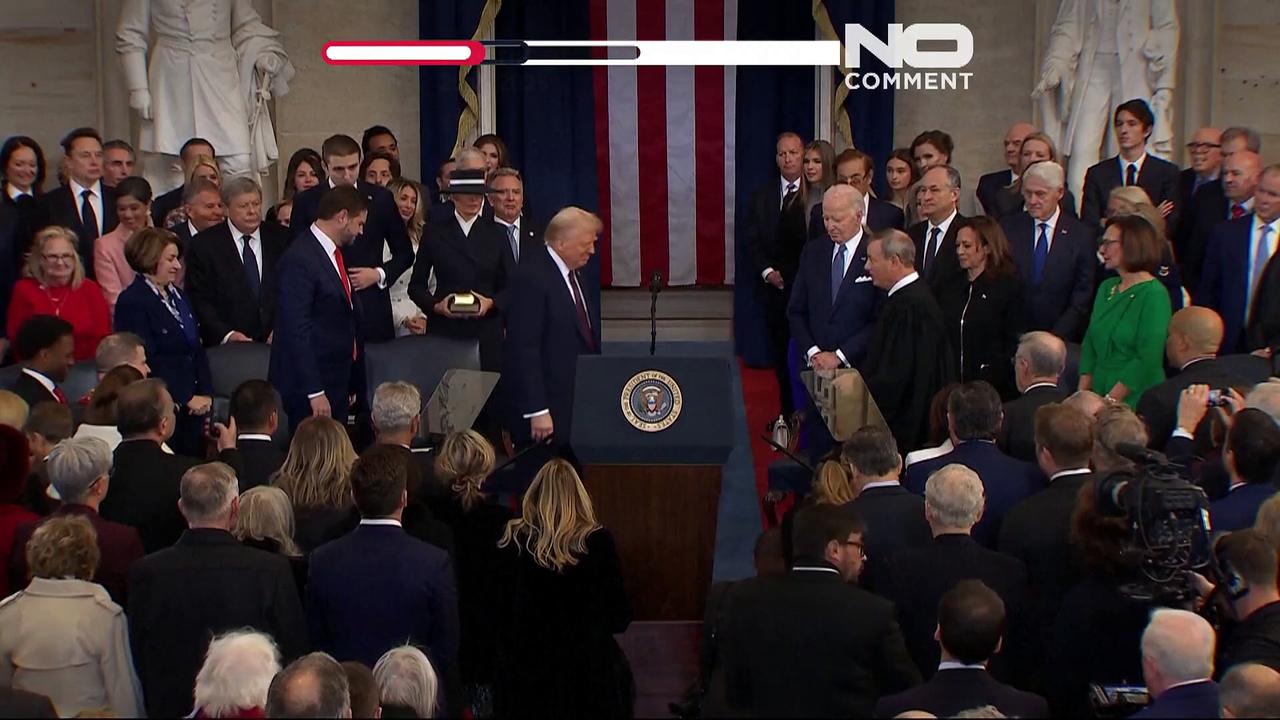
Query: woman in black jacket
[(985, 309)]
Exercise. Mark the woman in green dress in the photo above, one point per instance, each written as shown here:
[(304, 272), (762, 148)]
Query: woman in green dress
[(1123, 351)]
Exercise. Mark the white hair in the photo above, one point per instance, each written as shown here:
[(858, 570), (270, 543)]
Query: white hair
[(469, 159), (405, 677), (1180, 644), (1044, 352), (1265, 396), (955, 496), (74, 464), (395, 405), (236, 674), (847, 194), (1047, 171)]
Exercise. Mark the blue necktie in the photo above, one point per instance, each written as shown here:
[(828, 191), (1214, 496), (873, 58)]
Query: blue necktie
[(251, 267), (1261, 257), (514, 241), (837, 273), (1041, 253)]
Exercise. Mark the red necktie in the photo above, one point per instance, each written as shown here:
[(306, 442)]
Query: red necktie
[(1237, 211), (57, 393), (584, 322), (346, 285)]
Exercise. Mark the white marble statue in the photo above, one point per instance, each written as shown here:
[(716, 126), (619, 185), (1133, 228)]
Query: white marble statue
[(1102, 53), (214, 67)]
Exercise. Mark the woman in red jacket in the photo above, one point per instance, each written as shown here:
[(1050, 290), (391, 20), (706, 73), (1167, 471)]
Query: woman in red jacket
[(55, 285)]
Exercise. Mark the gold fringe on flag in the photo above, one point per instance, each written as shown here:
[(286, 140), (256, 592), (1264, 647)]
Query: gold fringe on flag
[(470, 115), (839, 116)]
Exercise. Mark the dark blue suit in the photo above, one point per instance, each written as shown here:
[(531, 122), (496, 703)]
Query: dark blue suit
[(1239, 508), (174, 351), (1063, 299), (383, 225), (1186, 701), (1224, 279), (12, 243), (1159, 178), (881, 215), (315, 331), (540, 355), (989, 186), (1005, 480), (377, 588)]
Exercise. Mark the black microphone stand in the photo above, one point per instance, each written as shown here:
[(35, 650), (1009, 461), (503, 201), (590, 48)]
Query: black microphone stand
[(655, 284)]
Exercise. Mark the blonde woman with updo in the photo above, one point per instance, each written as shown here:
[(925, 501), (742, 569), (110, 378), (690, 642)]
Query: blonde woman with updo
[(562, 602)]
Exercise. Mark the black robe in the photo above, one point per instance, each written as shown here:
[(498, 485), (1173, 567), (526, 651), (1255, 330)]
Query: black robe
[(908, 362)]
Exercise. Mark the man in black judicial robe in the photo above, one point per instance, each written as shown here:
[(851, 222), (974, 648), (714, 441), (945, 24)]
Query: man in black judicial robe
[(908, 360)]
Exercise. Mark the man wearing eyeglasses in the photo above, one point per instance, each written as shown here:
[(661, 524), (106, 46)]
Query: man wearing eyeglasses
[(506, 197), (1205, 152), (857, 169), (1215, 203)]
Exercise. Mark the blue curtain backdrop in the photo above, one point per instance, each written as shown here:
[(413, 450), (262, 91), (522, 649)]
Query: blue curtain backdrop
[(440, 102)]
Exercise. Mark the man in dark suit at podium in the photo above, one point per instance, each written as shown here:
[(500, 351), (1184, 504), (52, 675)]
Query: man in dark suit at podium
[(833, 302), (549, 325)]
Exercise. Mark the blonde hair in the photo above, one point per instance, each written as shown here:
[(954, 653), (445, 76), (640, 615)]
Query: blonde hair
[(418, 221), (569, 219), (556, 518), (35, 267), (204, 161), (1135, 201), (64, 547), (466, 458), (265, 514), (317, 471), (831, 485), (13, 410), (1268, 521)]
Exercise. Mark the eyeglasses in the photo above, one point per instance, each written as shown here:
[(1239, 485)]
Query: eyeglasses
[(65, 257), (1193, 146), (857, 544)]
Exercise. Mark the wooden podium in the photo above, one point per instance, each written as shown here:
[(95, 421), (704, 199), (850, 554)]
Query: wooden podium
[(654, 480)]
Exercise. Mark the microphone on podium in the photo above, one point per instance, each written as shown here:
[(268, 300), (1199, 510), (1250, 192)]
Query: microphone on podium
[(655, 284)]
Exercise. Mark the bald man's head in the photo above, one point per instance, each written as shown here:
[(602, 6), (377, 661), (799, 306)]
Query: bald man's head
[(1250, 690), (1194, 331), (1240, 174), (313, 686), (1013, 142)]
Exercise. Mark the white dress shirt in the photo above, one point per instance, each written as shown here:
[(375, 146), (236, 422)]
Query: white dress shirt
[(515, 251), (329, 247), (1124, 166), (15, 193), (46, 382), (1254, 237), (383, 522), (1052, 222), (95, 200), (914, 276), (928, 235), (465, 224), (382, 274)]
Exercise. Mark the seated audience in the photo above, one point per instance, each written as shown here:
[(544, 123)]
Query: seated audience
[(1251, 458), (1254, 636), (407, 684), (1195, 336), (316, 475), (100, 417), (1037, 530), (466, 459), (919, 577), (973, 418), (938, 439), (313, 686), (207, 583), (78, 472), (363, 690), (984, 306), (154, 310), (15, 467), (810, 643), (63, 637), (145, 479), (255, 407), (48, 424), (412, 204), (1123, 350), (560, 603), (971, 626), (1250, 691), (1037, 365), (231, 269), (266, 523), (110, 268), (55, 284), (1177, 664), (45, 346), (235, 676), (421, 607), (894, 518)]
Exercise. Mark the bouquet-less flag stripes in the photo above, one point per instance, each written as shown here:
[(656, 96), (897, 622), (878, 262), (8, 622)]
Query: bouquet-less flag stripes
[(665, 148)]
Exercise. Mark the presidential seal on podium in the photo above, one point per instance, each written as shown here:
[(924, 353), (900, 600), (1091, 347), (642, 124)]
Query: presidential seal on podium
[(651, 401)]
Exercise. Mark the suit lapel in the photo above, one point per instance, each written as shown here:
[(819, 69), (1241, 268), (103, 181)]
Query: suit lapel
[(330, 271), (851, 274), (225, 243)]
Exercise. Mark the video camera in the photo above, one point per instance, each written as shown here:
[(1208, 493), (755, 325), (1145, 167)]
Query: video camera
[(1169, 518)]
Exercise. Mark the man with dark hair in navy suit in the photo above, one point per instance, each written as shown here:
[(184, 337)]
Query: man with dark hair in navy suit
[(1236, 261), (370, 275), (856, 168), (377, 587), (971, 625), (315, 362), (1133, 121), (1054, 253), (833, 302)]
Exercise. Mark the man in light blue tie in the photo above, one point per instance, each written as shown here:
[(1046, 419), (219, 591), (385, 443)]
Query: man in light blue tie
[(506, 195)]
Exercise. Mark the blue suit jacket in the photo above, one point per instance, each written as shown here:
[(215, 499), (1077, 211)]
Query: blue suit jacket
[(315, 331), (174, 351), (845, 325), (1187, 701), (881, 215), (1224, 279), (377, 588), (382, 226), (1239, 508), (540, 354), (1006, 481), (1063, 299)]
